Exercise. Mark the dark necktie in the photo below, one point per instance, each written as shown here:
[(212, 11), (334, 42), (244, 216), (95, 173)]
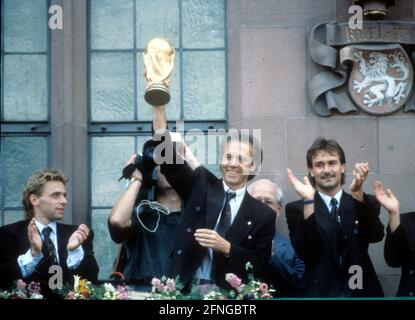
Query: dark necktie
[(340, 233), (334, 213), (48, 249), (225, 217)]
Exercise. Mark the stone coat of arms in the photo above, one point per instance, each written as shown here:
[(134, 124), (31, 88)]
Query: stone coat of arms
[(381, 79)]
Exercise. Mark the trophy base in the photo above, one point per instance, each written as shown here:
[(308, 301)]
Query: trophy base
[(157, 95)]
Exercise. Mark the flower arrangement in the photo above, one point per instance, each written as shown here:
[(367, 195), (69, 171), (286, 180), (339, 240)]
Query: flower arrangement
[(85, 290), (170, 289), (21, 290), (252, 290), (166, 288)]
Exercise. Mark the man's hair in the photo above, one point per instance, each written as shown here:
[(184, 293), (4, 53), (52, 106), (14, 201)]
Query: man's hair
[(329, 145), (243, 136), (34, 185), (280, 194)]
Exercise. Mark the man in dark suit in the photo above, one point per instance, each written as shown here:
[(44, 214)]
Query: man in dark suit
[(285, 267), (30, 247), (400, 240), (223, 227), (331, 229)]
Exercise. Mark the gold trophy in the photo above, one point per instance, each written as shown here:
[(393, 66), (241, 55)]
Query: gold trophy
[(159, 62)]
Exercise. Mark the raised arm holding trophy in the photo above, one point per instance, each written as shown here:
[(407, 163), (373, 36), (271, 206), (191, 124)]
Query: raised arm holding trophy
[(159, 63)]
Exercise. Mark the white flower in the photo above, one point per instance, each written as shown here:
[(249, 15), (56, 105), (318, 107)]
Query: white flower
[(76, 283), (36, 296), (109, 287), (107, 295)]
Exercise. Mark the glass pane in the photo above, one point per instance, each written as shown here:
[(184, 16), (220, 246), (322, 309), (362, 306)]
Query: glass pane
[(173, 107), (25, 87), (157, 18), (112, 86), (109, 156), (25, 25), (20, 157), (203, 23), (12, 216), (204, 85), (105, 250), (112, 24)]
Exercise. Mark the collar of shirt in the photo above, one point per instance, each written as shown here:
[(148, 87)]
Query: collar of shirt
[(52, 225), (235, 203), (327, 199)]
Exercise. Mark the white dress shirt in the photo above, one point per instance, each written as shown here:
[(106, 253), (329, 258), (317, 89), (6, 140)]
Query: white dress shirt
[(327, 199), (204, 271)]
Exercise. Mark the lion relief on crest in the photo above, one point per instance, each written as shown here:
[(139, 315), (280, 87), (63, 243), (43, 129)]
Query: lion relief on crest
[(384, 77)]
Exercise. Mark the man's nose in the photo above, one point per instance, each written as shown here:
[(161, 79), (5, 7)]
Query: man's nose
[(234, 161)]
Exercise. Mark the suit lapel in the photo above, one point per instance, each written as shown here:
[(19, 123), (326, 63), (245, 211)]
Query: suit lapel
[(244, 221), (62, 240), (346, 212), (215, 193)]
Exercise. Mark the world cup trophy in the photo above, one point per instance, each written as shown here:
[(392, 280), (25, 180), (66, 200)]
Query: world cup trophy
[(159, 63)]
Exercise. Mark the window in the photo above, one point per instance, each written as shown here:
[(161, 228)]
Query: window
[(119, 118), (25, 128)]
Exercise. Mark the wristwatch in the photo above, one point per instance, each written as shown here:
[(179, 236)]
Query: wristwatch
[(135, 179)]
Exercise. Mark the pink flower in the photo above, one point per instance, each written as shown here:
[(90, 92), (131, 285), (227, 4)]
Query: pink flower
[(122, 292), (155, 282), (266, 296), (233, 280), (170, 285), (34, 287), (263, 287), (71, 295), (20, 284)]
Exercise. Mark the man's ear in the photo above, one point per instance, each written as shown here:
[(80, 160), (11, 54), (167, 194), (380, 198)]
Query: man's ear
[(343, 168), (310, 171), (34, 199)]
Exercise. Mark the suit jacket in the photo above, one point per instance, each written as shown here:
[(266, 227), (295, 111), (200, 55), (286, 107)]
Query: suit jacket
[(14, 242), (250, 235), (327, 261), (400, 252), (286, 268)]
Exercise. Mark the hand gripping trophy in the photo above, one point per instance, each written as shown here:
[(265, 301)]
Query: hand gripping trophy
[(159, 62)]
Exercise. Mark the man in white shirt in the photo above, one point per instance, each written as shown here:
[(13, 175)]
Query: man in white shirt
[(223, 227), (30, 247), (330, 229)]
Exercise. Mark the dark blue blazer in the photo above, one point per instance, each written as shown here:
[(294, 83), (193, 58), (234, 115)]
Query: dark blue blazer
[(316, 242), (286, 267), (400, 252)]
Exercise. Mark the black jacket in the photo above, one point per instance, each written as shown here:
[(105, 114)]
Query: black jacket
[(14, 242), (316, 242), (400, 252)]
